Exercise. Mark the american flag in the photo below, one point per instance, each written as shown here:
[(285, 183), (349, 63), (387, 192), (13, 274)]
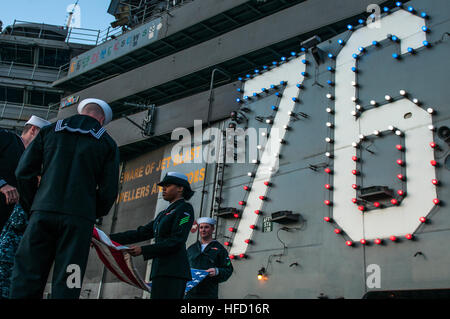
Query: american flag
[(120, 263)]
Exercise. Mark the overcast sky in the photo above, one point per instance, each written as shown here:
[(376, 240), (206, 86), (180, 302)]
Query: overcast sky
[(93, 12)]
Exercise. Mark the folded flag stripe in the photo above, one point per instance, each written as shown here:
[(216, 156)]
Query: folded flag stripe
[(119, 262)]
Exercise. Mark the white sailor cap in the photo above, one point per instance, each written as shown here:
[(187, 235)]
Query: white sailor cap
[(37, 121), (105, 107), (206, 220)]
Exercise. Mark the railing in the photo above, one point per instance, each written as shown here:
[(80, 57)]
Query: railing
[(29, 71), (22, 111)]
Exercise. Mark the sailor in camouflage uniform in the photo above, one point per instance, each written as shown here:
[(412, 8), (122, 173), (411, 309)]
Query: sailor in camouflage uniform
[(9, 241), (171, 228)]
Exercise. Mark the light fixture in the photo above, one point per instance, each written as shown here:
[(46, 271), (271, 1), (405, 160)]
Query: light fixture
[(337, 231), (377, 241), (409, 236), (434, 181), (327, 219), (422, 219), (403, 92), (262, 274), (349, 243), (393, 238)]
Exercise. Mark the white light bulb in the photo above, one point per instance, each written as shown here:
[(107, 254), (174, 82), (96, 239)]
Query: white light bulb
[(388, 98), (403, 92), (354, 144), (358, 107), (391, 128), (329, 124), (373, 102), (329, 110), (398, 133), (430, 110), (416, 101), (354, 98), (328, 140), (431, 127), (328, 154), (354, 113), (354, 83), (329, 96), (376, 132)]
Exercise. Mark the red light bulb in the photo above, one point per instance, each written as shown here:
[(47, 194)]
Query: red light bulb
[(247, 241), (394, 201), (232, 256), (236, 215), (401, 192), (400, 162), (252, 226), (436, 201), (257, 212), (337, 231), (393, 238), (246, 188), (422, 219), (399, 147), (241, 203), (433, 163), (355, 172), (400, 177), (227, 243), (361, 208), (327, 186), (231, 229), (327, 219), (355, 158), (377, 241), (327, 170), (376, 204), (433, 144), (409, 236), (354, 186), (363, 241), (349, 243), (354, 200), (434, 181), (262, 197), (327, 202), (267, 183), (242, 256)]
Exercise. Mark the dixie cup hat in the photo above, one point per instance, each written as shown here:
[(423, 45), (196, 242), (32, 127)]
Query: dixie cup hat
[(105, 107), (206, 220), (37, 121)]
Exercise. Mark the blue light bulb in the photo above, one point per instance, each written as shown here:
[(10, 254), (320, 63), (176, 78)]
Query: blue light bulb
[(283, 82), (375, 43), (341, 42), (238, 100), (330, 55), (256, 71), (425, 29), (386, 9), (265, 67), (394, 38), (330, 82), (274, 62), (354, 69), (245, 97), (350, 27), (278, 94), (272, 86), (255, 94), (239, 90), (330, 69), (355, 56), (293, 53), (283, 58), (361, 21), (248, 76), (395, 56), (361, 49), (299, 86), (263, 89), (303, 73), (424, 15), (240, 79), (426, 43), (398, 4), (411, 9), (303, 49), (410, 50), (274, 107), (294, 99), (304, 61)]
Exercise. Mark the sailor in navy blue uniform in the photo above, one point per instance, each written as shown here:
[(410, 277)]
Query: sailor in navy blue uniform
[(12, 147), (170, 229), (208, 254), (79, 167)]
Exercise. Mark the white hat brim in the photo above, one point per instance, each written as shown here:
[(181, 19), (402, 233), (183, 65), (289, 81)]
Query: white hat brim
[(105, 107)]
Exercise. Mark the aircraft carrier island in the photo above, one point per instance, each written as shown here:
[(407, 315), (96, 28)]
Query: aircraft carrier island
[(315, 132)]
